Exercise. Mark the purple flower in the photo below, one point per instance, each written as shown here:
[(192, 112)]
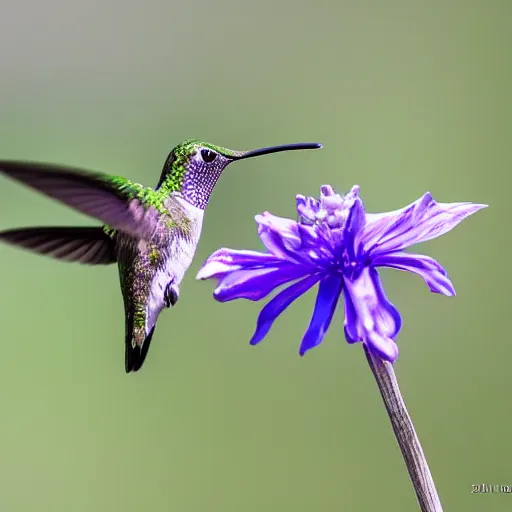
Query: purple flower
[(336, 244)]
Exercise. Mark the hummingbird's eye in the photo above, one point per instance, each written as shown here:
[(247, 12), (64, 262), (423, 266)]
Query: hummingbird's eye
[(207, 155)]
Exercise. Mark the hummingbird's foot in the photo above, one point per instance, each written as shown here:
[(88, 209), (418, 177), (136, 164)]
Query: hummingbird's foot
[(171, 294)]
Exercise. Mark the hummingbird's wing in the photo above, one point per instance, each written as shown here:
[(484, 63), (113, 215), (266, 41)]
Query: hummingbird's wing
[(109, 199), (91, 246)]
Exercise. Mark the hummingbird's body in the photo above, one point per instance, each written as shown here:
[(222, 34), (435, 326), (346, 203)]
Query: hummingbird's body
[(152, 234), (150, 273)]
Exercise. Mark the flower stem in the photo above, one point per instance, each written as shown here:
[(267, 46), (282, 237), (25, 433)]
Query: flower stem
[(405, 434)]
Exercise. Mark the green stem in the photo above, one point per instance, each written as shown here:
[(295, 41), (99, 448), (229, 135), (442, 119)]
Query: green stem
[(405, 434)]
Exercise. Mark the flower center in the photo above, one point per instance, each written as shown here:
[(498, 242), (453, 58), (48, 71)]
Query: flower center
[(331, 209), (328, 216)]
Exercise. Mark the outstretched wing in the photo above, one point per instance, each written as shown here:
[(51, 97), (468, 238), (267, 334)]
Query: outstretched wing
[(91, 246), (109, 199)]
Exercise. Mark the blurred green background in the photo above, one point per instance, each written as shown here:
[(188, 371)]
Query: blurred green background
[(406, 97)]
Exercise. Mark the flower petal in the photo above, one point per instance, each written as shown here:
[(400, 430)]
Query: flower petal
[(278, 304), (280, 235), (318, 245), (326, 302), (420, 221), (254, 284), (428, 268), (369, 316), (352, 230), (382, 346), (225, 260)]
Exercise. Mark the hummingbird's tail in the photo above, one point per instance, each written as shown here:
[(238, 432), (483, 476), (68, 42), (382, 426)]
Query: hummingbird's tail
[(136, 346)]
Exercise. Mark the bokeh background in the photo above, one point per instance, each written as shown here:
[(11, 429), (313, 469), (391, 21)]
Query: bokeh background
[(406, 97)]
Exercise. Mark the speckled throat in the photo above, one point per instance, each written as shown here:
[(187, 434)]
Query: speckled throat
[(198, 186)]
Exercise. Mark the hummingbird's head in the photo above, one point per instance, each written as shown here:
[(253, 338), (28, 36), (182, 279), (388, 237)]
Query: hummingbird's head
[(194, 167)]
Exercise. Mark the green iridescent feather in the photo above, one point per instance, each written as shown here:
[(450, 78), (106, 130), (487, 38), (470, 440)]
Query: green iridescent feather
[(172, 215)]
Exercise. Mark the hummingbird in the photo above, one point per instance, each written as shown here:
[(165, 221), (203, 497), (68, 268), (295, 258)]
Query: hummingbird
[(151, 233)]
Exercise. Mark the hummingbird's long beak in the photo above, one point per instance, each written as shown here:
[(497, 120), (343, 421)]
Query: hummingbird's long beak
[(278, 149)]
